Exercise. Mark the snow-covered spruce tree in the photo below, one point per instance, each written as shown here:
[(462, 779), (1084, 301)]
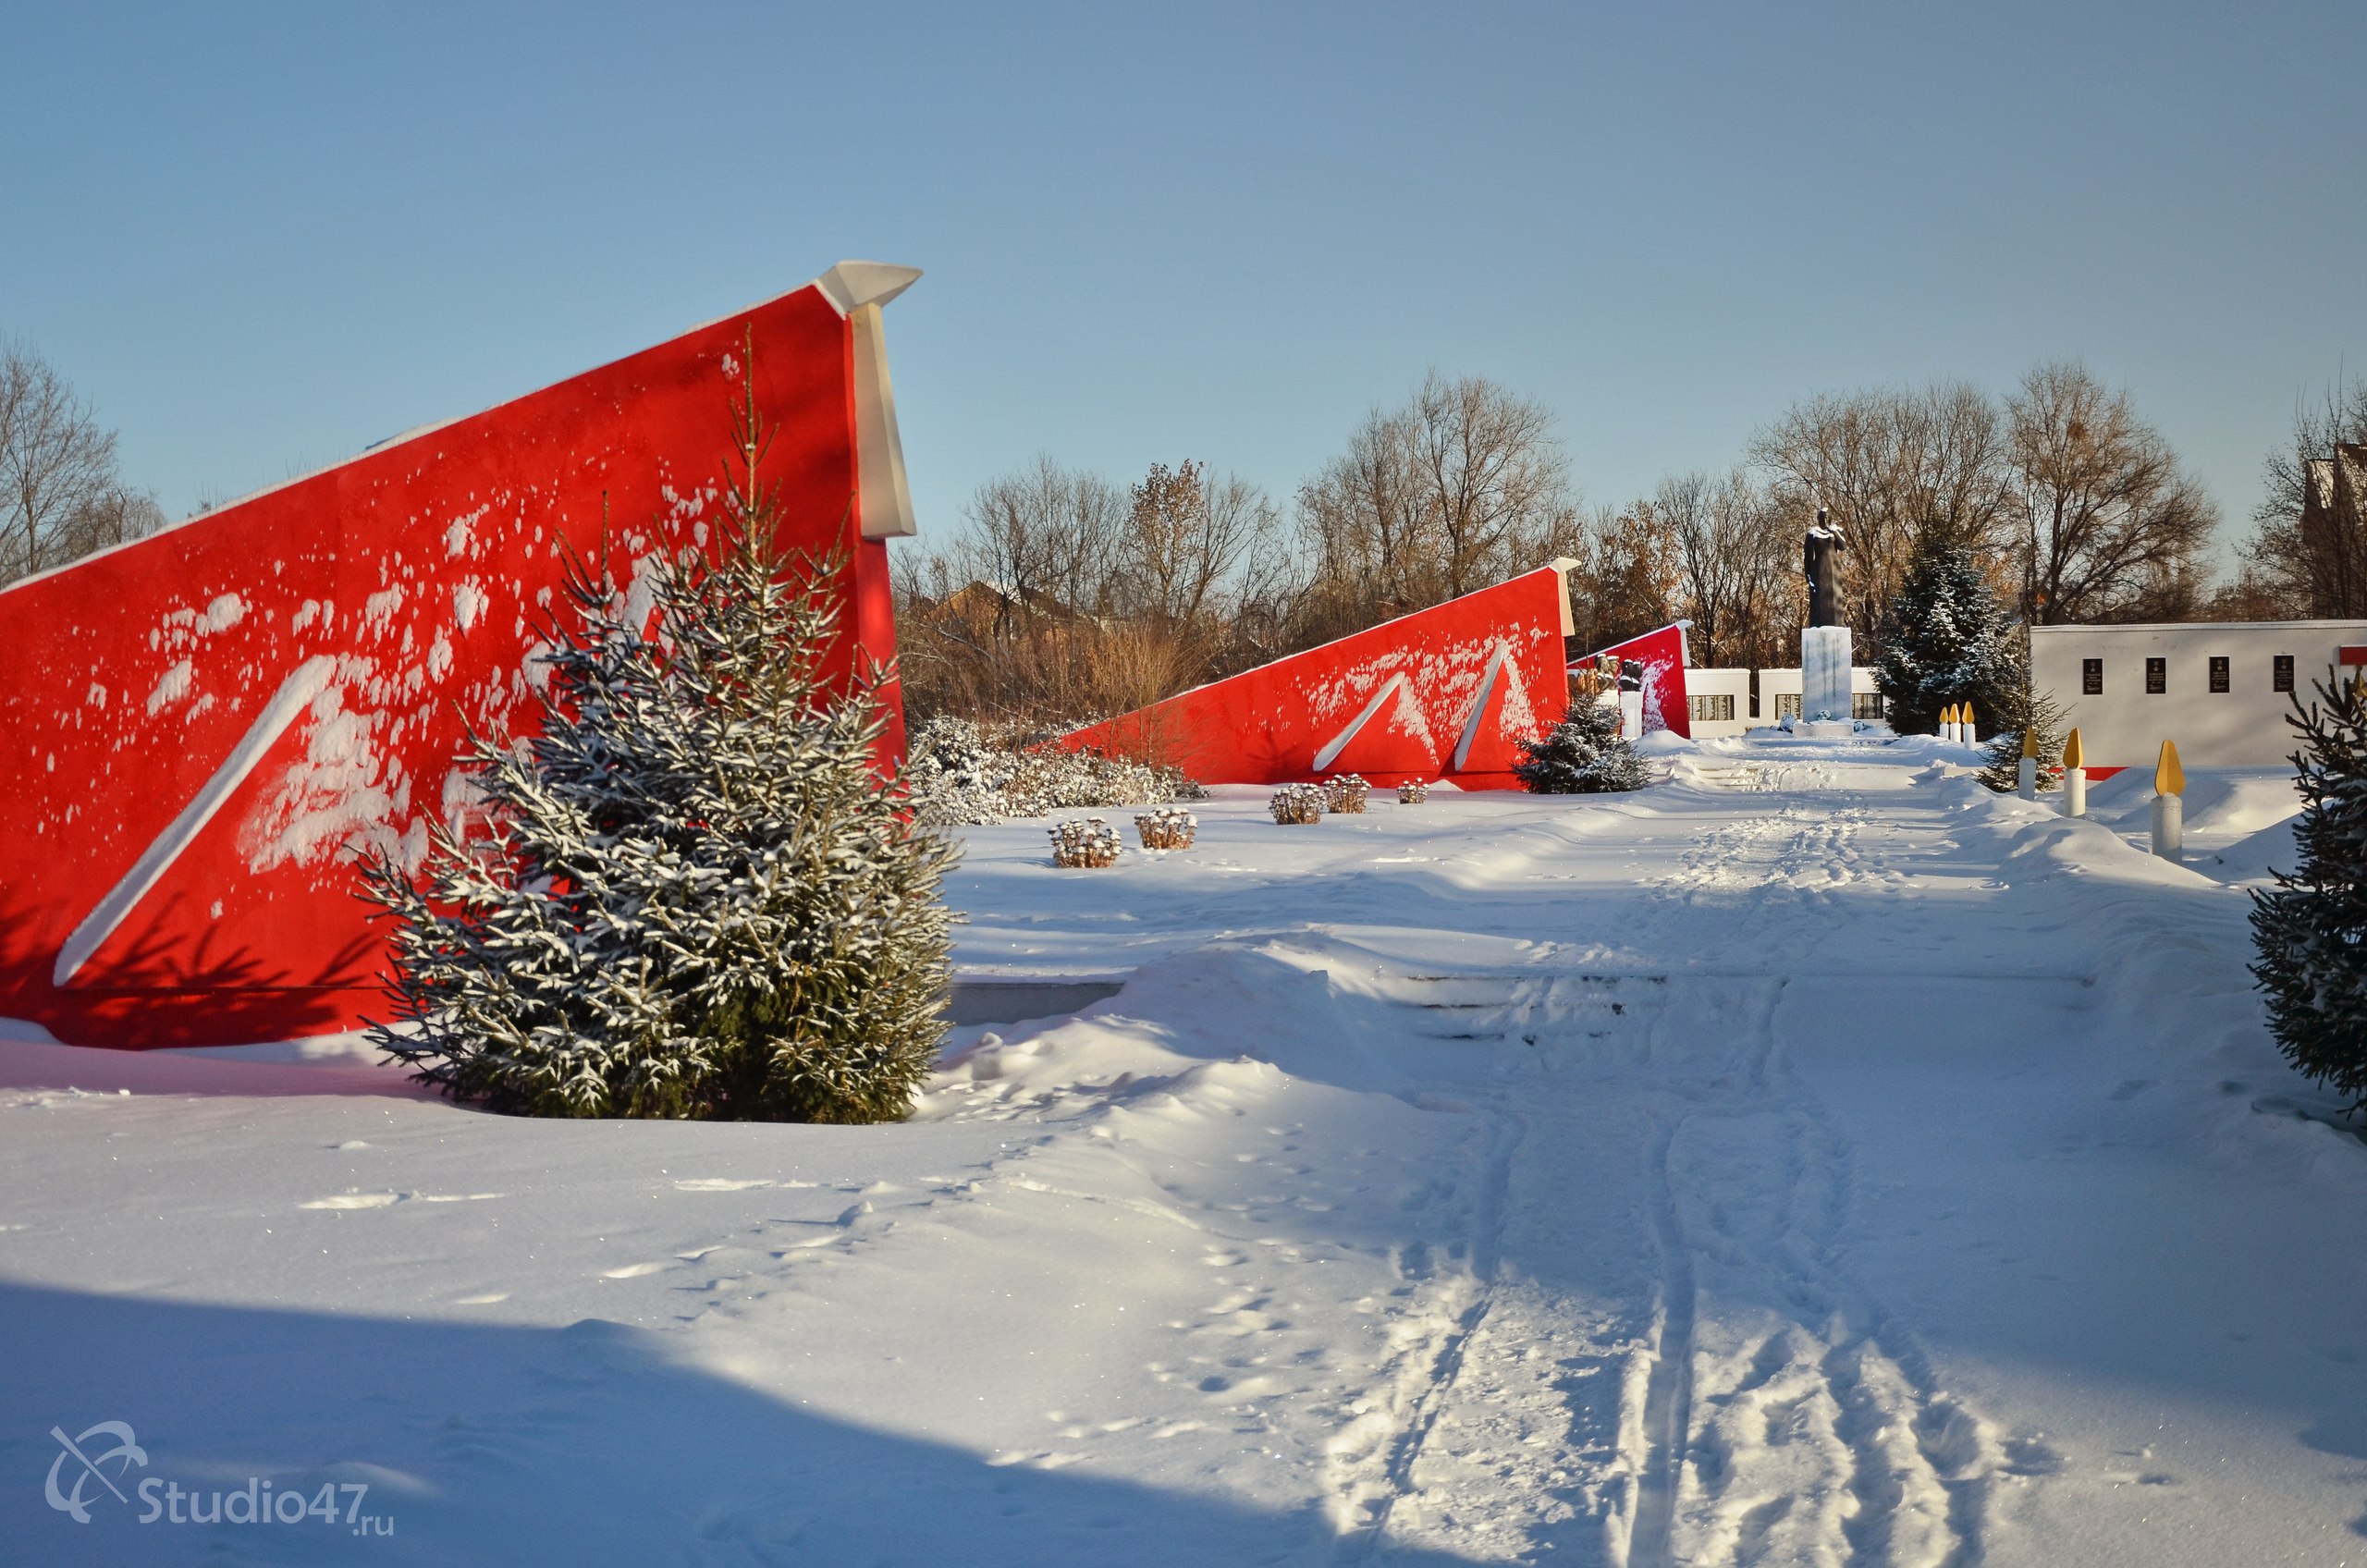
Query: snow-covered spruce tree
[(2311, 930), (696, 892), (2023, 708), (1945, 639), (1584, 755)]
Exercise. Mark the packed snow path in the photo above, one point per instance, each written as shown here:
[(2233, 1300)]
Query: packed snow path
[(1812, 1159)]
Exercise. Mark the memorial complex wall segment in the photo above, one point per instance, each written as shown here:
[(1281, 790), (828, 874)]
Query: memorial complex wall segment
[(197, 728), (2221, 690), (1660, 658), (1443, 693)]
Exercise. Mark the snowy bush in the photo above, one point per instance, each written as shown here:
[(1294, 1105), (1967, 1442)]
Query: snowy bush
[(1295, 805), (1945, 639), (694, 893), (1170, 828), (964, 771), (1091, 842), (1413, 792), (2311, 930), (1345, 794), (1584, 755)]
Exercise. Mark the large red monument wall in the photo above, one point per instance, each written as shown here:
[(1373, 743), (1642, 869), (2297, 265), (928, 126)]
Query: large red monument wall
[(1442, 694), (196, 729)]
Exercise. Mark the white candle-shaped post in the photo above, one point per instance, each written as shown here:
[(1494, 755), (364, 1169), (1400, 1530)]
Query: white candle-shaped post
[(1948, 722), (2169, 804), (1968, 730), (2075, 777), (2027, 778)]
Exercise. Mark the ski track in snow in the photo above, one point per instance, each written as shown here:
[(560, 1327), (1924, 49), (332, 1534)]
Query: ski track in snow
[(1795, 1438)]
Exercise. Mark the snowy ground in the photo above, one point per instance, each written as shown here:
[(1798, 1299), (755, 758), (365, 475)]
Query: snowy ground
[(1813, 1160)]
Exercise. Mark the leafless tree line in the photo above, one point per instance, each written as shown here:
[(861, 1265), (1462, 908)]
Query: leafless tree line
[(1066, 594), (60, 494)]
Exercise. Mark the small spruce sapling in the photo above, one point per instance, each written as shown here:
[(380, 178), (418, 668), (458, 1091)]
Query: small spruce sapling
[(1584, 755), (697, 892), (2310, 929), (2001, 768)]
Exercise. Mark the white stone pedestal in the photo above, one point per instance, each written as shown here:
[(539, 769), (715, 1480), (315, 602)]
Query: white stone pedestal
[(1824, 675)]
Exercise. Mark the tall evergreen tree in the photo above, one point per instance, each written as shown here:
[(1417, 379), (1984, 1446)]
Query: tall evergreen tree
[(697, 892), (1584, 755), (1945, 639), (2311, 930)]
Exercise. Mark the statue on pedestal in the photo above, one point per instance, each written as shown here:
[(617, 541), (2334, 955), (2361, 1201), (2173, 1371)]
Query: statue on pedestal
[(1825, 702)]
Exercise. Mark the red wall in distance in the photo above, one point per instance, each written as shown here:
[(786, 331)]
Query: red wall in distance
[(1442, 694), (1661, 654), (193, 727)]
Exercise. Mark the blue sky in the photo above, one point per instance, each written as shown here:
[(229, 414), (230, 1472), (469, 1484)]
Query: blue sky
[(259, 239)]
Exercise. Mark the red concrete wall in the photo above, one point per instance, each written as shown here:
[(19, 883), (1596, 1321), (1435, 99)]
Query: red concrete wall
[(1392, 703), (1661, 654), (193, 728)]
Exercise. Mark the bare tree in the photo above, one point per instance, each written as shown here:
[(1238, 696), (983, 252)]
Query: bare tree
[(1045, 534), (1364, 528), (1631, 575), (1188, 535), (2304, 559), (59, 495), (116, 515), (1736, 548), (1890, 467), (2111, 529), (1461, 487)]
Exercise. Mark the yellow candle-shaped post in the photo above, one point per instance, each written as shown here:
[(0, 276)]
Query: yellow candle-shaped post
[(2075, 777), (2027, 778), (2169, 804)]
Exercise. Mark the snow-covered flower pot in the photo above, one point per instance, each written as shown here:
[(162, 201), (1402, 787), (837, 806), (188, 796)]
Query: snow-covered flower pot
[(1413, 792), (1296, 804), (1170, 828), (1346, 792), (1091, 842)]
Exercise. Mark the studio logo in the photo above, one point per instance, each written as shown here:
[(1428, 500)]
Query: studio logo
[(98, 1464), (84, 1461)]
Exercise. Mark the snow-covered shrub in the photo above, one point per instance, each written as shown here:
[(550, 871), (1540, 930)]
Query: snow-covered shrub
[(1945, 639), (1413, 792), (1345, 794), (694, 893), (1170, 828), (2311, 930), (955, 775), (1584, 755), (962, 771), (1295, 804), (1091, 842)]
